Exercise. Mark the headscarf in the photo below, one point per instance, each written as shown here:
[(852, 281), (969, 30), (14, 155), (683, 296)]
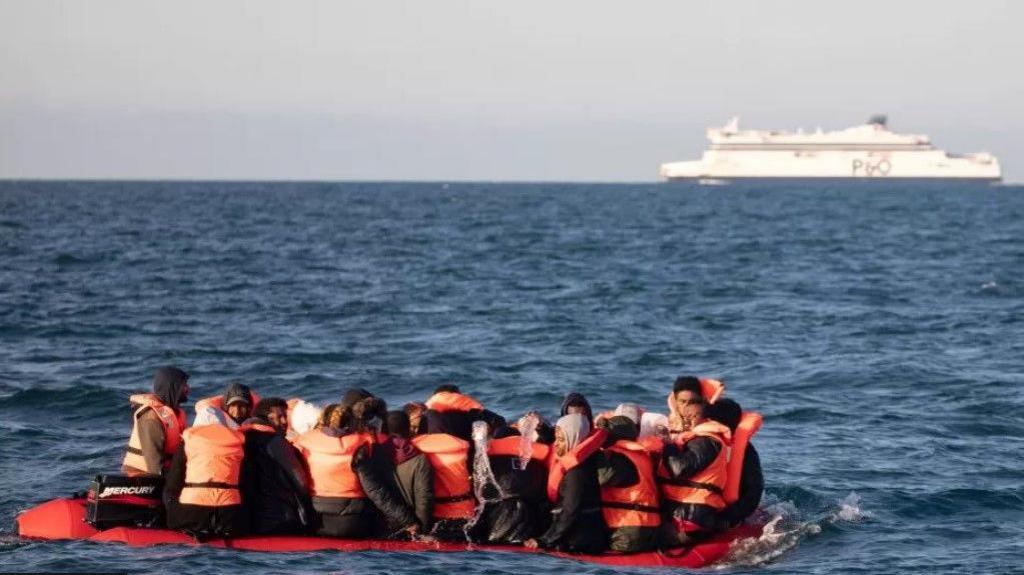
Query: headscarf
[(167, 384), (575, 428), (630, 410), (650, 424), (213, 416), (303, 417)]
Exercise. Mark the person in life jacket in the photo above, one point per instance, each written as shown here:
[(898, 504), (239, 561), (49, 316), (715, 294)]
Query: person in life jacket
[(577, 525), (517, 507), (413, 473), (201, 491), (750, 481), (693, 469), (275, 485), (302, 416), (454, 413), (448, 455), (629, 490), (157, 424), (231, 408), (351, 475)]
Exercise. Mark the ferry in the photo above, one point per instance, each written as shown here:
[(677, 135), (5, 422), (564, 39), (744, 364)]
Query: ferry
[(869, 151)]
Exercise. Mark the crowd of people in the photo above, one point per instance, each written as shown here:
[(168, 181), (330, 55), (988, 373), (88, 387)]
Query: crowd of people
[(626, 480)]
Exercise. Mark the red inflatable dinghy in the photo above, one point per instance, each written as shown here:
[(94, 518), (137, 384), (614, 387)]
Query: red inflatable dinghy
[(65, 519)]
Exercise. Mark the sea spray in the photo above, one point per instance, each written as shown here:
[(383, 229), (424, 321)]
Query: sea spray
[(527, 435)]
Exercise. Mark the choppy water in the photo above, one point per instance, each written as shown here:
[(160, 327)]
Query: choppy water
[(879, 331)]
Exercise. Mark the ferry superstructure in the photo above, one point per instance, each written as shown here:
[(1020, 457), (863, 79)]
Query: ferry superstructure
[(867, 151)]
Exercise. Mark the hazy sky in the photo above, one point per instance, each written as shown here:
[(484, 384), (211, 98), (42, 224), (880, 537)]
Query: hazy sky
[(464, 90)]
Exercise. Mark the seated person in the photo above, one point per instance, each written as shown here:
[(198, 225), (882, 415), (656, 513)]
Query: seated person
[(454, 412), (629, 490), (577, 403), (275, 483), (577, 525), (728, 413), (454, 503), (231, 408), (157, 424), (413, 474)]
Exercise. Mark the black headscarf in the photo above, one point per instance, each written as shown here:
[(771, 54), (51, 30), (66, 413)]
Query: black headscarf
[(167, 384), (577, 399)]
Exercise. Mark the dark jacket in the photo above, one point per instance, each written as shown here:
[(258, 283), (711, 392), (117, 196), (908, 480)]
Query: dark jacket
[(200, 521), (618, 471), (460, 423), (524, 512), (751, 489), (576, 522), (415, 479), (381, 513), (685, 462), (276, 487)]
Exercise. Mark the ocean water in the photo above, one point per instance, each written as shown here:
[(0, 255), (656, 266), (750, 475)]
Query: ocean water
[(880, 331)]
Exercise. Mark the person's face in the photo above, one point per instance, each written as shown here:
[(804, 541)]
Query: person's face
[(690, 407), (183, 395), (577, 410), (415, 417), (278, 418), (239, 411), (561, 446)]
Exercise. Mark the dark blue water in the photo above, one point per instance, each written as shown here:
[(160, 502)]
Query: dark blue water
[(880, 331)]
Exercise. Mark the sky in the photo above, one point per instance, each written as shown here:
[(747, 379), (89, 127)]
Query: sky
[(450, 90)]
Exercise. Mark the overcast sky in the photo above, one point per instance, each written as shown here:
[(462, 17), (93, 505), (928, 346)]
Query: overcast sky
[(480, 90)]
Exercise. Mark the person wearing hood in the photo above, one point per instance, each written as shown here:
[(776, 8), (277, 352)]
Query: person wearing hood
[(352, 476), (577, 525), (577, 403), (231, 408), (693, 468), (157, 424), (413, 474), (454, 413), (275, 486), (516, 505), (629, 490)]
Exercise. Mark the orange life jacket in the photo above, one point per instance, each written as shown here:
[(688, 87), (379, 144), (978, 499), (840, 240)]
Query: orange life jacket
[(559, 466), (749, 424), (512, 446), (173, 422), (453, 490), (635, 505), (653, 444), (707, 487), (443, 401), (213, 462), (330, 462)]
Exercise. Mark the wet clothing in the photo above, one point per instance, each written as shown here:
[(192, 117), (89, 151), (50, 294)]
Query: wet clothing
[(521, 510), (276, 483), (576, 523), (751, 490), (414, 478)]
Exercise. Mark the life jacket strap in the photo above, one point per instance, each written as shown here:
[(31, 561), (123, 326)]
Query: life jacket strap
[(631, 506), (694, 484), (213, 485)]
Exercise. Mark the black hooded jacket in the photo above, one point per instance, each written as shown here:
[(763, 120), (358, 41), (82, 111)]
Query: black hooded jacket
[(751, 489), (524, 512), (577, 525), (167, 385), (275, 484)]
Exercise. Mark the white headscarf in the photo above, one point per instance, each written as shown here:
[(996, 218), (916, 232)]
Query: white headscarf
[(213, 416), (575, 428), (303, 417), (650, 424)]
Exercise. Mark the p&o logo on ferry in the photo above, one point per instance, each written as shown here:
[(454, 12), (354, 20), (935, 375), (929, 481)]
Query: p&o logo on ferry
[(870, 169)]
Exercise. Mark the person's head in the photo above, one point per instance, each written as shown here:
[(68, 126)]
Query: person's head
[(725, 411), (274, 411), (398, 424), (631, 411), (330, 416), (415, 411), (688, 400), (504, 431), (621, 427), (578, 404), (545, 433), (351, 396), (447, 388), (369, 415), (170, 386), (238, 401), (570, 430)]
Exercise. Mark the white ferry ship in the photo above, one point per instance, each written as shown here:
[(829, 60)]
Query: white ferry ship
[(868, 151)]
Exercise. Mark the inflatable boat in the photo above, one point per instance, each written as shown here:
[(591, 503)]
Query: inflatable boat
[(65, 519)]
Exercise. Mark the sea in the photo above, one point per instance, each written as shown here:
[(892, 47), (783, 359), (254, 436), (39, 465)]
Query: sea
[(879, 330)]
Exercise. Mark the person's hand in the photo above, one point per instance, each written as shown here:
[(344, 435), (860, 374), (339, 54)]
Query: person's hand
[(531, 543)]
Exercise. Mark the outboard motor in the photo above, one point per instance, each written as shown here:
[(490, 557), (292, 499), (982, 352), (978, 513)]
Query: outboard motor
[(119, 500)]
